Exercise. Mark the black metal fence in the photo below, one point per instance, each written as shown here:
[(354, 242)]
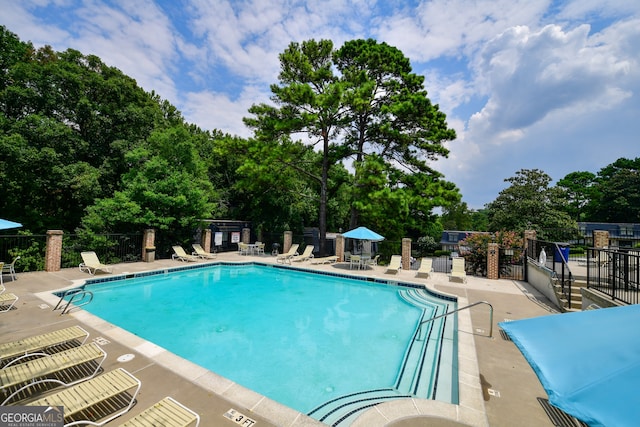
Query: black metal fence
[(30, 248), (615, 273), (511, 264)]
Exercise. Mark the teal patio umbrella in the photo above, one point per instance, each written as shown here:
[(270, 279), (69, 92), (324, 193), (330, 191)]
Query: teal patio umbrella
[(363, 233), (6, 224)]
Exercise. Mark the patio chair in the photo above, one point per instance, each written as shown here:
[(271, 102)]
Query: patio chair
[(426, 266), (307, 254), (92, 264), (168, 413), (77, 400), (11, 268), (458, 273), (181, 255), (40, 343), (260, 248), (373, 261), (200, 252), (7, 300), (286, 257), (59, 368), (395, 264), (355, 260)]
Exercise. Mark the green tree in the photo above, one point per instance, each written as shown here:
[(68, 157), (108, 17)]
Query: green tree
[(579, 188), (530, 203), (376, 113), (617, 192)]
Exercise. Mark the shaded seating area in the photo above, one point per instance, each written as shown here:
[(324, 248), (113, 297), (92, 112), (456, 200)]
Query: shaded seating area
[(426, 267), (41, 343), (458, 272), (167, 413), (91, 264), (58, 368), (394, 264), (180, 255), (201, 253), (286, 257)]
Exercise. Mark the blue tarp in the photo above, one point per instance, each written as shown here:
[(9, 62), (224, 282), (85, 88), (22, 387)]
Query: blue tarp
[(588, 362), (363, 233)]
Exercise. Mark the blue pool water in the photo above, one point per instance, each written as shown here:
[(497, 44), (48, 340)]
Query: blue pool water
[(299, 338)]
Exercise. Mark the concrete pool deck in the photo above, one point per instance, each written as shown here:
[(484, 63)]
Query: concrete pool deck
[(498, 387)]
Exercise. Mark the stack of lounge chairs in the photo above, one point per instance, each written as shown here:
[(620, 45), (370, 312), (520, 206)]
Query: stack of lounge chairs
[(201, 253), (181, 255), (307, 254), (56, 357), (285, 258)]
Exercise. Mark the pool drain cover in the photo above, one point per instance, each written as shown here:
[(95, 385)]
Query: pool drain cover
[(126, 357)]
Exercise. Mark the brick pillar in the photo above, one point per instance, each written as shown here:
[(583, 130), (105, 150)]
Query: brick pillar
[(288, 241), (206, 240), (340, 247), (148, 242), (246, 235), (493, 261), (53, 252), (406, 253), (600, 238)]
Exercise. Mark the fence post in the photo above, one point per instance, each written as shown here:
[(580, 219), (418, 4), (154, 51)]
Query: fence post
[(53, 252), (493, 261), (406, 253), (246, 235), (149, 245), (340, 247), (288, 241), (600, 238), (206, 239)]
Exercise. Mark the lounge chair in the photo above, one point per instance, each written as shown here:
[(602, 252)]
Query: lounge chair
[(181, 255), (42, 342), (458, 273), (426, 266), (7, 300), (325, 260), (16, 377), (167, 413), (286, 257), (85, 395), (394, 265), (307, 254), (11, 269), (92, 264), (200, 252)]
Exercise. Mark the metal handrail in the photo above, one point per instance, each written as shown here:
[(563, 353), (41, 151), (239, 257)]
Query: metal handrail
[(81, 293), (457, 310)]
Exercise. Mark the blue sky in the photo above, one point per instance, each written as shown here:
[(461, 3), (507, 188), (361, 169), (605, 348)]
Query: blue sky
[(526, 84)]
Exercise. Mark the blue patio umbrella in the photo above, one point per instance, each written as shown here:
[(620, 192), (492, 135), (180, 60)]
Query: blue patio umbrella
[(586, 361), (5, 224), (363, 233)]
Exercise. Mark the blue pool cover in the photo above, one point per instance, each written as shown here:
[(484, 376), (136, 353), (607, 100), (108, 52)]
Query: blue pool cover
[(588, 362)]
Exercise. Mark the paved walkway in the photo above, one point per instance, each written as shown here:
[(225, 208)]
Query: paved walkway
[(509, 387)]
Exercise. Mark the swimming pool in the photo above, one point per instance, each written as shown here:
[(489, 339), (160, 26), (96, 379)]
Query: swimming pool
[(324, 344)]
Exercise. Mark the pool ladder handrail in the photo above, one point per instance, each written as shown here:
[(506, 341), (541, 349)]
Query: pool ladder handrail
[(457, 310), (74, 293)]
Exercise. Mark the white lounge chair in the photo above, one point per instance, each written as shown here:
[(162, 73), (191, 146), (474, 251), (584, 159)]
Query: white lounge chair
[(85, 395), (286, 257), (458, 272), (395, 264), (11, 269), (7, 300), (40, 343), (16, 377), (325, 260), (181, 255), (92, 264), (307, 254), (426, 266), (167, 413), (200, 252)]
